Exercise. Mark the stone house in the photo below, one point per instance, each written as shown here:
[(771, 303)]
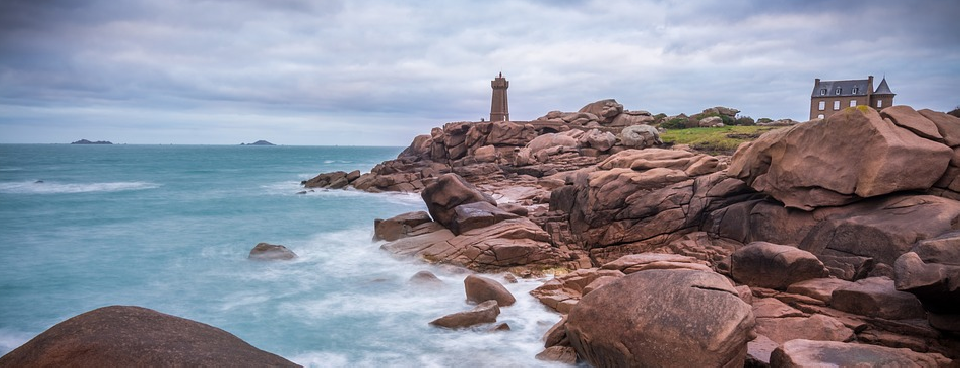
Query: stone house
[(829, 97)]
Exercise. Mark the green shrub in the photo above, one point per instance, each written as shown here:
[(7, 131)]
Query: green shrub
[(744, 120), (764, 120), (675, 123)]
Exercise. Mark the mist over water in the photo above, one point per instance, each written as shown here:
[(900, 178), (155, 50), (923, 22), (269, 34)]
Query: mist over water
[(169, 228)]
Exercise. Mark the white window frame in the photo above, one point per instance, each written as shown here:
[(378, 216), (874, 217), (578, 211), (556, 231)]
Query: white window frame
[(820, 116), (839, 91), (856, 90), (853, 103), (822, 105), (823, 91), (836, 105), (879, 103)]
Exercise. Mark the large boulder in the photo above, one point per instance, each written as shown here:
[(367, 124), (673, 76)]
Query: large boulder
[(640, 136), (126, 336), (931, 272), (809, 353), (552, 140), (814, 165), (605, 110), (480, 289), (449, 191), (600, 141), (662, 318), (774, 266)]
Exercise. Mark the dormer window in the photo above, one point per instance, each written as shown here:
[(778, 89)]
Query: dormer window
[(823, 92), (837, 92), (856, 90)]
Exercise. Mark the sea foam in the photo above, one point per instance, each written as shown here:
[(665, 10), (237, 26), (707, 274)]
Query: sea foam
[(40, 187)]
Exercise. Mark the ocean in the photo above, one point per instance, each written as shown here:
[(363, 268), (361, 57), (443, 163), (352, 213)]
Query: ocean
[(169, 227)]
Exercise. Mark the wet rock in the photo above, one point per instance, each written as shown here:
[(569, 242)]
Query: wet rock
[(634, 321), (398, 226), (486, 312), (774, 266), (480, 289), (560, 354), (270, 252), (126, 336)]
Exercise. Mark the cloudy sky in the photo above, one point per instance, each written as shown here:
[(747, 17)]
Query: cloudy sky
[(378, 72)]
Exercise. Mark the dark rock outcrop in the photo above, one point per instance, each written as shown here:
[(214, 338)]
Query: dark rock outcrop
[(449, 191), (125, 336), (399, 226)]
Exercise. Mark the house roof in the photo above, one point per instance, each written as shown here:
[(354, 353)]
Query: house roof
[(883, 89), (829, 88)]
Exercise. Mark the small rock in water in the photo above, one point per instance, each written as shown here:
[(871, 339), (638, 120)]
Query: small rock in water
[(269, 252), (38, 182), (511, 278), (486, 312), (500, 327), (480, 289)]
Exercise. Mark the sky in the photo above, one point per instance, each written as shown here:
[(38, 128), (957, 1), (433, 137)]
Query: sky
[(379, 72)]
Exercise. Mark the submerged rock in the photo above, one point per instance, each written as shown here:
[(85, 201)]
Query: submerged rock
[(269, 252), (126, 336)]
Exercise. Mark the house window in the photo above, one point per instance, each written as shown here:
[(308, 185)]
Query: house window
[(838, 91), (836, 105), (879, 103), (853, 103), (822, 105), (820, 116), (856, 90), (823, 92)]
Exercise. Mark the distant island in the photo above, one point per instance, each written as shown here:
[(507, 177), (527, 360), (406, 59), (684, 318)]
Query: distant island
[(85, 141), (258, 143)]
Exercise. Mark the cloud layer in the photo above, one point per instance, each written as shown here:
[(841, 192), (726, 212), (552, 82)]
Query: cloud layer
[(380, 72)]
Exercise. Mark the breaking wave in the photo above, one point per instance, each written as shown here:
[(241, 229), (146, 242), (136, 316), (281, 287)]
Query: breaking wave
[(41, 187)]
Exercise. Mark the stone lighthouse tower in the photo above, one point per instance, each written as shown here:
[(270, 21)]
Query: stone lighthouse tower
[(498, 106)]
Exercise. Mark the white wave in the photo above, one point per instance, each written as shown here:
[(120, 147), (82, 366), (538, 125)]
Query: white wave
[(10, 340), (41, 187)]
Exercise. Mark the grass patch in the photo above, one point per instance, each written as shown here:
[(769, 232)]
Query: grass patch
[(715, 141)]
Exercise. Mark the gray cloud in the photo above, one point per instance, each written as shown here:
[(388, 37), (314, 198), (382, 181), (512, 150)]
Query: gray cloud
[(379, 72)]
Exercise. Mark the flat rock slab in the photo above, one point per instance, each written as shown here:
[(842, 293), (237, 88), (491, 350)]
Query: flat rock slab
[(815, 327), (877, 297), (773, 265), (807, 353), (820, 289)]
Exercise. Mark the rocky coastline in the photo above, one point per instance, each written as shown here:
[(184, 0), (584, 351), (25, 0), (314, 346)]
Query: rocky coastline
[(828, 242), (832, 241)]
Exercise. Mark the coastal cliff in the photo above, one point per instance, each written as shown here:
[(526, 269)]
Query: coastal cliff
[(817, 239)]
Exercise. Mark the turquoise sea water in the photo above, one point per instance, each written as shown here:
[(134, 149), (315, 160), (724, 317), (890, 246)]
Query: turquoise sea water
[(168, 227)]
